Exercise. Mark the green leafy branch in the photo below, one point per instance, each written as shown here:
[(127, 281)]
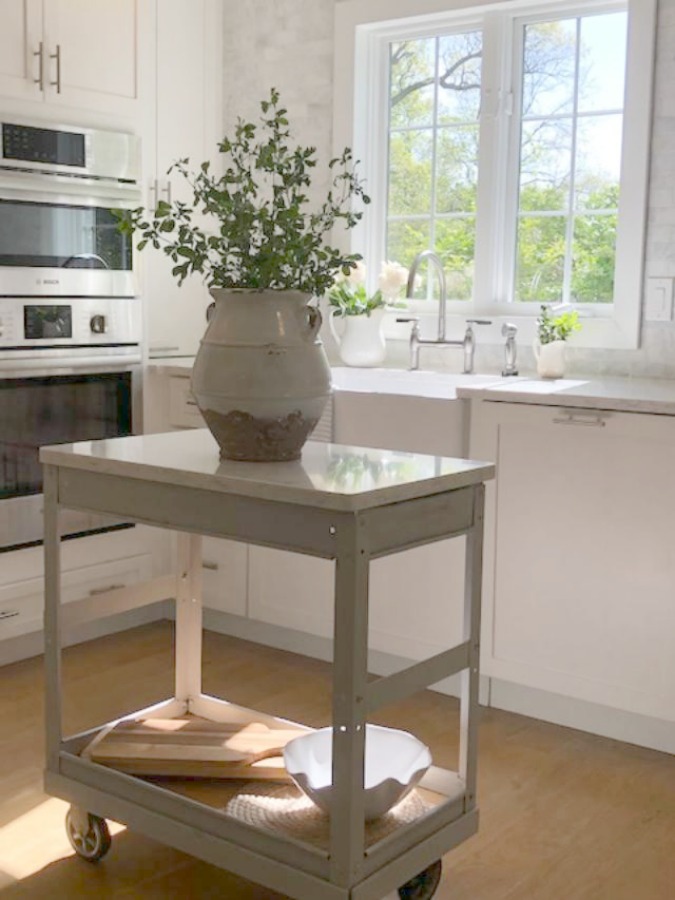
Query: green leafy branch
[(556, 328), (264, 235), (353, 300)]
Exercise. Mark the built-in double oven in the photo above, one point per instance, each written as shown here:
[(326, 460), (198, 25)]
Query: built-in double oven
[(70, 312)]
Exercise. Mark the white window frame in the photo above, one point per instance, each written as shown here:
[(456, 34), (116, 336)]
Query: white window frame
[(363, 31)]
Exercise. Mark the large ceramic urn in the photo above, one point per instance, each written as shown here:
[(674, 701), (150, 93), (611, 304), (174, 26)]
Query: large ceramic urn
[(261, 378)]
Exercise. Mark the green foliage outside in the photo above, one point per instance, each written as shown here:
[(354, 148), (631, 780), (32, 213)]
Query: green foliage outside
[(436, 209)]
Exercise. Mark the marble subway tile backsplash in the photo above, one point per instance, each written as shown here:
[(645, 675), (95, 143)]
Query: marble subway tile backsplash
[(287, 44)]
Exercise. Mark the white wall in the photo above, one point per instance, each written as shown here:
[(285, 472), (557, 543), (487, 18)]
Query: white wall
[(289, 44)]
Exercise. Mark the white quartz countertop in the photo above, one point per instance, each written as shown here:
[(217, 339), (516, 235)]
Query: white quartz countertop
[(402, 382), (177, 365), (328, 476), (647, 395)]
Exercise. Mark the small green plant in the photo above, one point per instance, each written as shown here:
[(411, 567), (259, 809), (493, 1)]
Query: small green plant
[(264, 235), (556, 328), (349, 296)]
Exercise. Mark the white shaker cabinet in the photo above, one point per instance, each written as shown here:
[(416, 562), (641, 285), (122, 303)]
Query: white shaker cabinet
[(20, 37), (91, 565), (83, 54), (188, 124), (579, 583)]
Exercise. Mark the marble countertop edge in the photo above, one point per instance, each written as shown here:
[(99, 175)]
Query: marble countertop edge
[(190, 459), (614, 393)]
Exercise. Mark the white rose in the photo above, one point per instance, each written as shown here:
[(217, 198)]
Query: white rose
[(357, 275), (392, 278)]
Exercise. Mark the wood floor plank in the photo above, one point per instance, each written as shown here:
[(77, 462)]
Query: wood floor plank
[(564, 815)]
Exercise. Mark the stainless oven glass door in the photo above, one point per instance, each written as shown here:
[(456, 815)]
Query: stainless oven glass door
[(56, 244), (53, 409)]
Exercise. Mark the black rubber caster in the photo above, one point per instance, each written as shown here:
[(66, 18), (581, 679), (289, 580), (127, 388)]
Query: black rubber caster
[(424, 885), (90, 843)]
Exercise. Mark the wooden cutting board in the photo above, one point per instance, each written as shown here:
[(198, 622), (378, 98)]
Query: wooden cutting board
[(193, 747)]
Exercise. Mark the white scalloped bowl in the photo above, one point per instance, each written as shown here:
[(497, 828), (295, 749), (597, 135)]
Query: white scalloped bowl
[(395, 763)]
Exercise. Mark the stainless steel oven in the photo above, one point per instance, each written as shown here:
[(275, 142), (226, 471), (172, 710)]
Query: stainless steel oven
[(70, 370), (58, 236)]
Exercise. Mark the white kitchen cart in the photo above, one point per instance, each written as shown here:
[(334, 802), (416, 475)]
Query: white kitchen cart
[(391, 501)]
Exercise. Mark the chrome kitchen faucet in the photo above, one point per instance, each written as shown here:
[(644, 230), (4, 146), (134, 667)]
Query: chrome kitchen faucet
[(509, 331), (467, 344)]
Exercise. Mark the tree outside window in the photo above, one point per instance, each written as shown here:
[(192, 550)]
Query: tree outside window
[(566, 172)]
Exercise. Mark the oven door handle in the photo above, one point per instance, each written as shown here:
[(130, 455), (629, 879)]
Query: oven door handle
[(34, 187), (87, 257), (53, 362)]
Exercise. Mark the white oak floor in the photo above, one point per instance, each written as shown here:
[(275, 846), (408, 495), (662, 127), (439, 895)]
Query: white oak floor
[(564, 815)]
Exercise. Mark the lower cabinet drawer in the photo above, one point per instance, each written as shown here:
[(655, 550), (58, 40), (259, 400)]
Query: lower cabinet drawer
[(22, 602), (183, 411)]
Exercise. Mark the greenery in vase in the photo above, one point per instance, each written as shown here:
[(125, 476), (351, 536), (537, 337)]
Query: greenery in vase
[(264, 234), (556, 328), (349, 296)]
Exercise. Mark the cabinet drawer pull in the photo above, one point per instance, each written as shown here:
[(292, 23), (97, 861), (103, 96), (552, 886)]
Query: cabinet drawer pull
[(152, 204), (163, 349), (591, 420), (8, 613), (211, 566), (40, 53), (190, 402), (104, 590), (57, 58)]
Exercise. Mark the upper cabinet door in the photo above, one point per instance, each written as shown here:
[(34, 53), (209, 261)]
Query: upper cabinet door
[(20, 49), (188, 117), (92, 54)]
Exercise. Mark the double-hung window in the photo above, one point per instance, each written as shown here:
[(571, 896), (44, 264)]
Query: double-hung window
[(512, 139)]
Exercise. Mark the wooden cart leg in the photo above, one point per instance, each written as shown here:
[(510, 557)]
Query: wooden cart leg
[(468, 743), (350, 668), (189, 618), (52, 618)]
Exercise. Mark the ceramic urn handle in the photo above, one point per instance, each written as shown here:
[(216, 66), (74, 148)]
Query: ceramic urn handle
[(314, 320)]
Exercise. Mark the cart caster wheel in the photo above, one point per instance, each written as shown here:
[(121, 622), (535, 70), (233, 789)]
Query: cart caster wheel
[(92, 844), (424, 885)]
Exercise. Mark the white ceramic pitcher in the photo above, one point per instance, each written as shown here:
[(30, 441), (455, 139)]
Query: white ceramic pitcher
[(359, 338), (550, 359)]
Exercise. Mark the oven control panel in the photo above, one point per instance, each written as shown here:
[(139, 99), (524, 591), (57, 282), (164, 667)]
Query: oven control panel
[(47, 322), (80, 322)]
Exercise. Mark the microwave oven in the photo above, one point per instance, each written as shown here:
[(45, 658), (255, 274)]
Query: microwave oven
[(59, 186)]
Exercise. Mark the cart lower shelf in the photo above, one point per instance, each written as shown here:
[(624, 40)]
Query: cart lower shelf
[(90, 837), (265, 831), (284, 809)]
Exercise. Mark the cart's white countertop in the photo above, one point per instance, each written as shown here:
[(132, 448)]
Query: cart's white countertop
[(328, 476)]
